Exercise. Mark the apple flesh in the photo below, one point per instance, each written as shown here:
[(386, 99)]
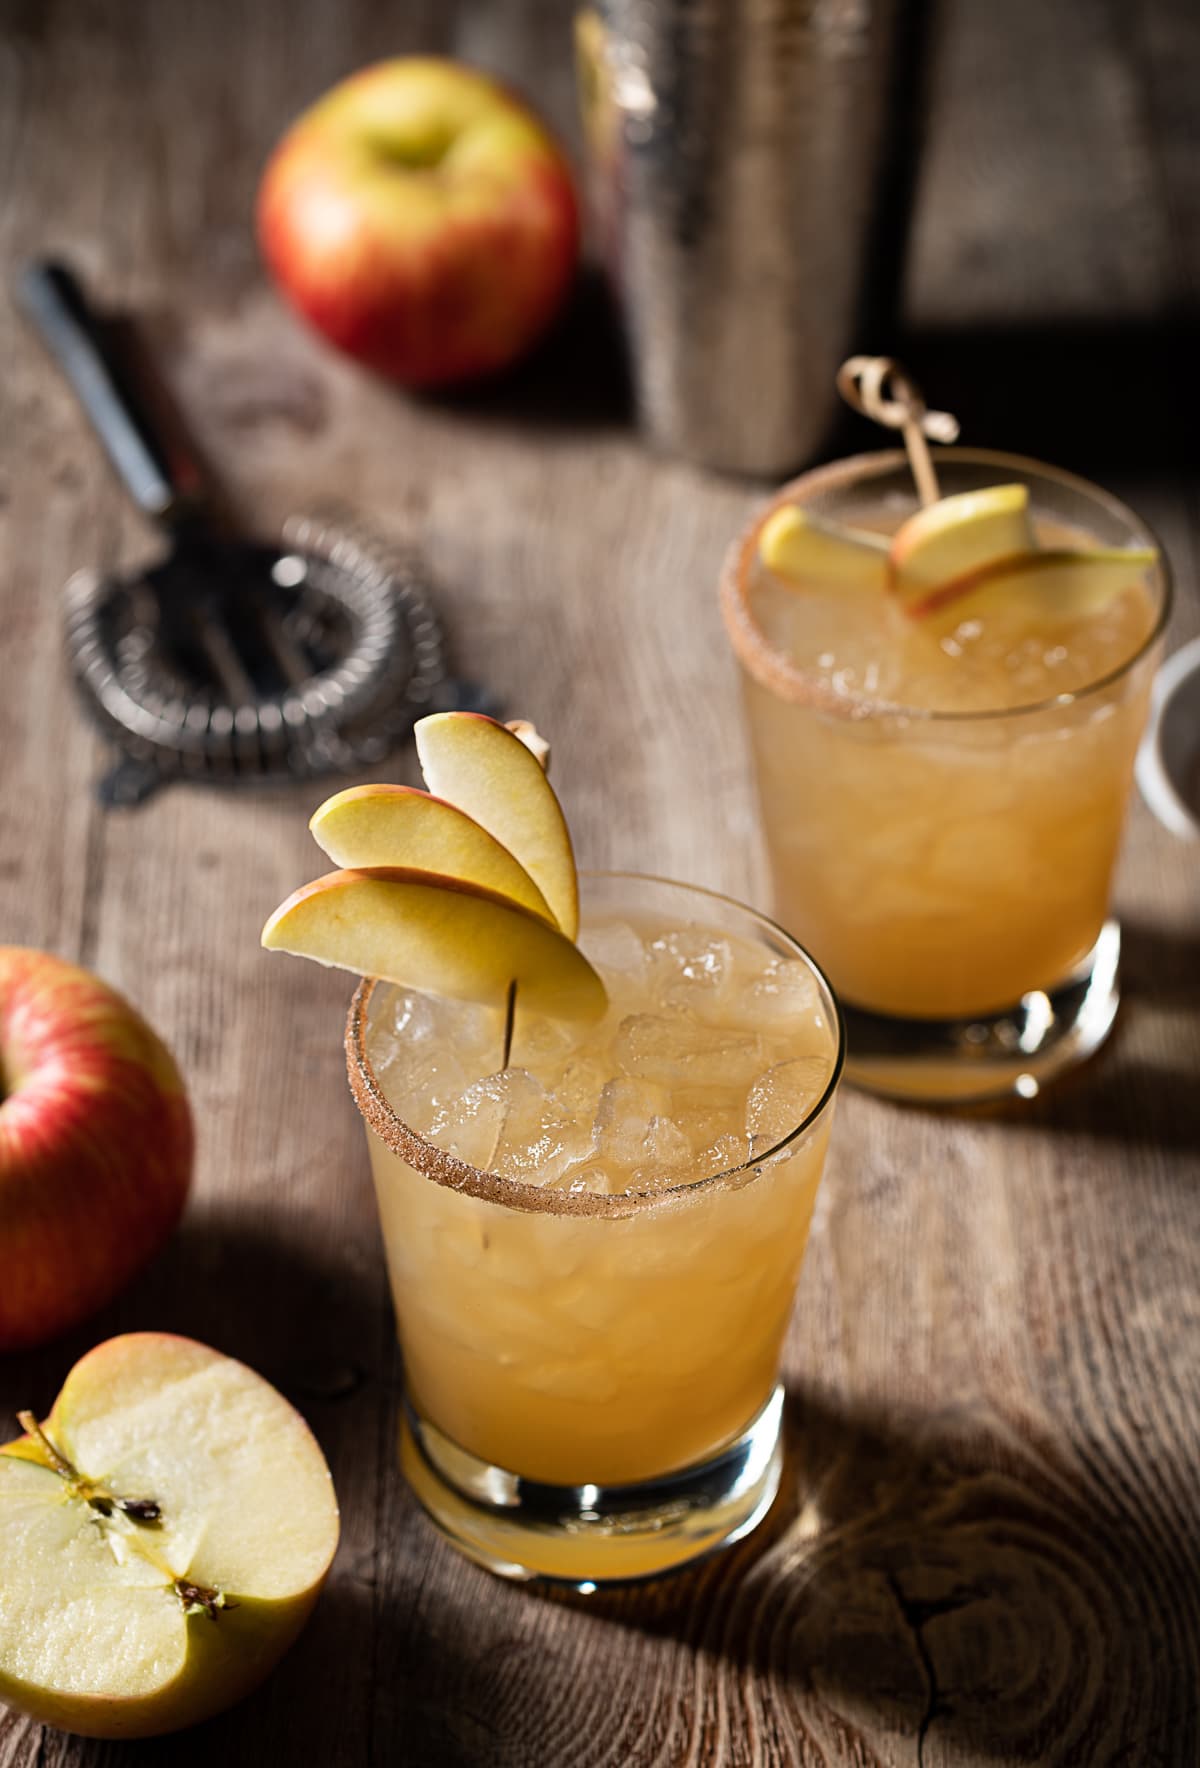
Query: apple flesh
[(1046, 586), (438, 934), (423, 220), (163, 1537), (487, 771), (802, 548), (956, 536), (398, 826), (95, 1145)]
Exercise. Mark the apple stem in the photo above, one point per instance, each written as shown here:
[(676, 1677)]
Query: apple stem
[(510, 1015), (137, 1509), (57, 1460), (887, 394)]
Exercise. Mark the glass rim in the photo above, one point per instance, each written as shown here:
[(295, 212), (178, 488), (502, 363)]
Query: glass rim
[(439, 1166), (788, 681)]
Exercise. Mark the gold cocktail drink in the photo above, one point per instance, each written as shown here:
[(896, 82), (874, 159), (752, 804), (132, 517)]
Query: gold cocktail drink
[(593, 1253), (943, 798)]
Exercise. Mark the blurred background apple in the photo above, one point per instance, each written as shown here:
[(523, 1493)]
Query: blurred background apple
[(423, 220)]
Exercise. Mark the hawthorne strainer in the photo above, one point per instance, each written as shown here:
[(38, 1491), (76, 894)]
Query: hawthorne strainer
[(232, 660)]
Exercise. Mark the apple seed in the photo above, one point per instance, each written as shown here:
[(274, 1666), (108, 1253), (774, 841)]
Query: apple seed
[(199, 1599)]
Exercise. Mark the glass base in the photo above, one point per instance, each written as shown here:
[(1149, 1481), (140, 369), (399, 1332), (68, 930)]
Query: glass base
[(589, 1535), (959, 1062)]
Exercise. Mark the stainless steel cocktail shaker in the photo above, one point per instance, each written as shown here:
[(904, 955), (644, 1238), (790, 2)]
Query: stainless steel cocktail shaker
[(735, 152)]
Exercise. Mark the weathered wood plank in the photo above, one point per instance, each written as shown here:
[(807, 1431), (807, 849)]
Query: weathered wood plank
[(989, 1548)]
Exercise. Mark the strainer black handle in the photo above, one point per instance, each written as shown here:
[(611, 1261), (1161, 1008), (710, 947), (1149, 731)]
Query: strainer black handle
[(53, 299)]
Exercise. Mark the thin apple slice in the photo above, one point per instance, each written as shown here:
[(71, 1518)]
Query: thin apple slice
[(803, 548), (163, 1538), (399, 826), (488, 772), (1049, 586), (957, 535), (437, 933)]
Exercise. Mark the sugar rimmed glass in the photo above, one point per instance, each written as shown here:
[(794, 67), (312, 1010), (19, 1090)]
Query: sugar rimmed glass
[(952, 868), (592, 1381)]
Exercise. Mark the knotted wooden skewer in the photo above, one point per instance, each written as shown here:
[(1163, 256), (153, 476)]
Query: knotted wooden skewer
[(885, 392)]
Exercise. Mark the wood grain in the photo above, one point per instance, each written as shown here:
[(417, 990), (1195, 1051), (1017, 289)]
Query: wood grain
[(988, 1549)]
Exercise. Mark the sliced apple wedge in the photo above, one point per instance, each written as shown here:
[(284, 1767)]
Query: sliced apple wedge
[(802, 548), (489, 773), (399, 826), (1050, 586), (957, 535), (163, 1537), (437, 933)]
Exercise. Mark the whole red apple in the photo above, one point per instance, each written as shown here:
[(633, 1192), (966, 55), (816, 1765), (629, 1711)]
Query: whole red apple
[(95, 1145), (422, 219)]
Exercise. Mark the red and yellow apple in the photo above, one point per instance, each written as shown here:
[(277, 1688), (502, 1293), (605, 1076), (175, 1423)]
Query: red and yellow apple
[(163, 1537), (95, 1145), (423, 220)]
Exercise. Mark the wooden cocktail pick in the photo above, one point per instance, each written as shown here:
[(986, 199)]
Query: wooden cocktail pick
[(886, 393)]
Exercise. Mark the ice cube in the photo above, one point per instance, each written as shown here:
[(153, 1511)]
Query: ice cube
[(678, 1052), (577, 1089), (419, 1066), (472, 1125), (591, 1175), (690, 966), (614, 946), (783, 995), (626, 1109), (782, 1098), (540, 1043), (410, 1016), (397, 1026), (428, 1087), (539, 1151), (704, 1113), (666, 1158), (723, 1155), (666, 1143)]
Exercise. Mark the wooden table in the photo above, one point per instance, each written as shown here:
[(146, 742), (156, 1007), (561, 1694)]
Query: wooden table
[(988, 1550)]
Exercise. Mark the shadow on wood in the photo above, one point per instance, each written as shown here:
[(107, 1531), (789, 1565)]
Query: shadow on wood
[(577, 377), (1032, 1597)]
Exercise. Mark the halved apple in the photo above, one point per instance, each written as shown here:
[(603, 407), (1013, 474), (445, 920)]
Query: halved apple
[(163, 1537), (399, 826), (489, 773), (803, 548), (957, 535), (425, 931), (1048, 586)]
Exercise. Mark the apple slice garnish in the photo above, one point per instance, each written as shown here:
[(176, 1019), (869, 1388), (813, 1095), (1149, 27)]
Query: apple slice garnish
[(399, 826), (954, 537), (163, 1537), (439, 934), (803, 548), (489, 773), (1052, 584), (977, 552)]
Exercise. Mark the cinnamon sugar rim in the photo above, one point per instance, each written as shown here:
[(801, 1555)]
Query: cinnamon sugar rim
[(447, 1169), (788, 681)]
